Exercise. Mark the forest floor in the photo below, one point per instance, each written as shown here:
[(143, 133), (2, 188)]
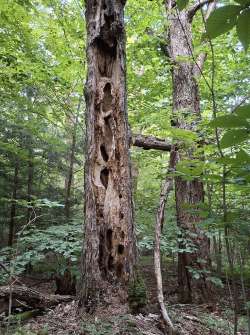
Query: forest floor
[(115, 319)]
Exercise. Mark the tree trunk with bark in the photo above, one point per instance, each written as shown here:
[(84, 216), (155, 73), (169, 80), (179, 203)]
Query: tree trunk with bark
[(109, 245), (71, 157), (69, 178), (66, 283), (189, 193), (13, 206), (30, 184)]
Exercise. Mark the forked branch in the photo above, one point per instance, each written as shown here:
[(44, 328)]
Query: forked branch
[(198, 5)]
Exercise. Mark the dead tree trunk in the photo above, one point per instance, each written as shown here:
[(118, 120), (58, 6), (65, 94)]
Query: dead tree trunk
[(109, 245), (189, 193), (13, 206)]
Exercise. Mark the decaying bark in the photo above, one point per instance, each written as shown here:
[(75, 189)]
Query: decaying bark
[(28, 297), (166, 188), (109, 245), (189, 194)]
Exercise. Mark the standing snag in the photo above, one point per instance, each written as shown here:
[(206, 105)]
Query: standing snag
[(109, 246)]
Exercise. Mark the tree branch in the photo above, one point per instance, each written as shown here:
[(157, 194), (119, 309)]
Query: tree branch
[(198, 66), (192, 10), (150, 142), (210, 8)]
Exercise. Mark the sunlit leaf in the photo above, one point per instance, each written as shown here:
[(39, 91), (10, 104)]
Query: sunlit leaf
[(229, 121), (222, 20), (243, 28), (243, 111), (233, 137)]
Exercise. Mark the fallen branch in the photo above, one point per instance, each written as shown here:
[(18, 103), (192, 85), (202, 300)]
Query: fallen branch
[(32, 297)]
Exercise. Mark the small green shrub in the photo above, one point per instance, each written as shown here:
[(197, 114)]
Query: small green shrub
[(50, 250)]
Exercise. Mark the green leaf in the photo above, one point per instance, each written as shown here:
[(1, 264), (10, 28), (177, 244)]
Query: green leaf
[(222, 20), (226, 160), (243, 111), (242, 157), (215, 280), (233, 137), (196, 275), (183, 134), (243, 2), (182, 4), (228, 121), (243, 28), (190, 167)]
